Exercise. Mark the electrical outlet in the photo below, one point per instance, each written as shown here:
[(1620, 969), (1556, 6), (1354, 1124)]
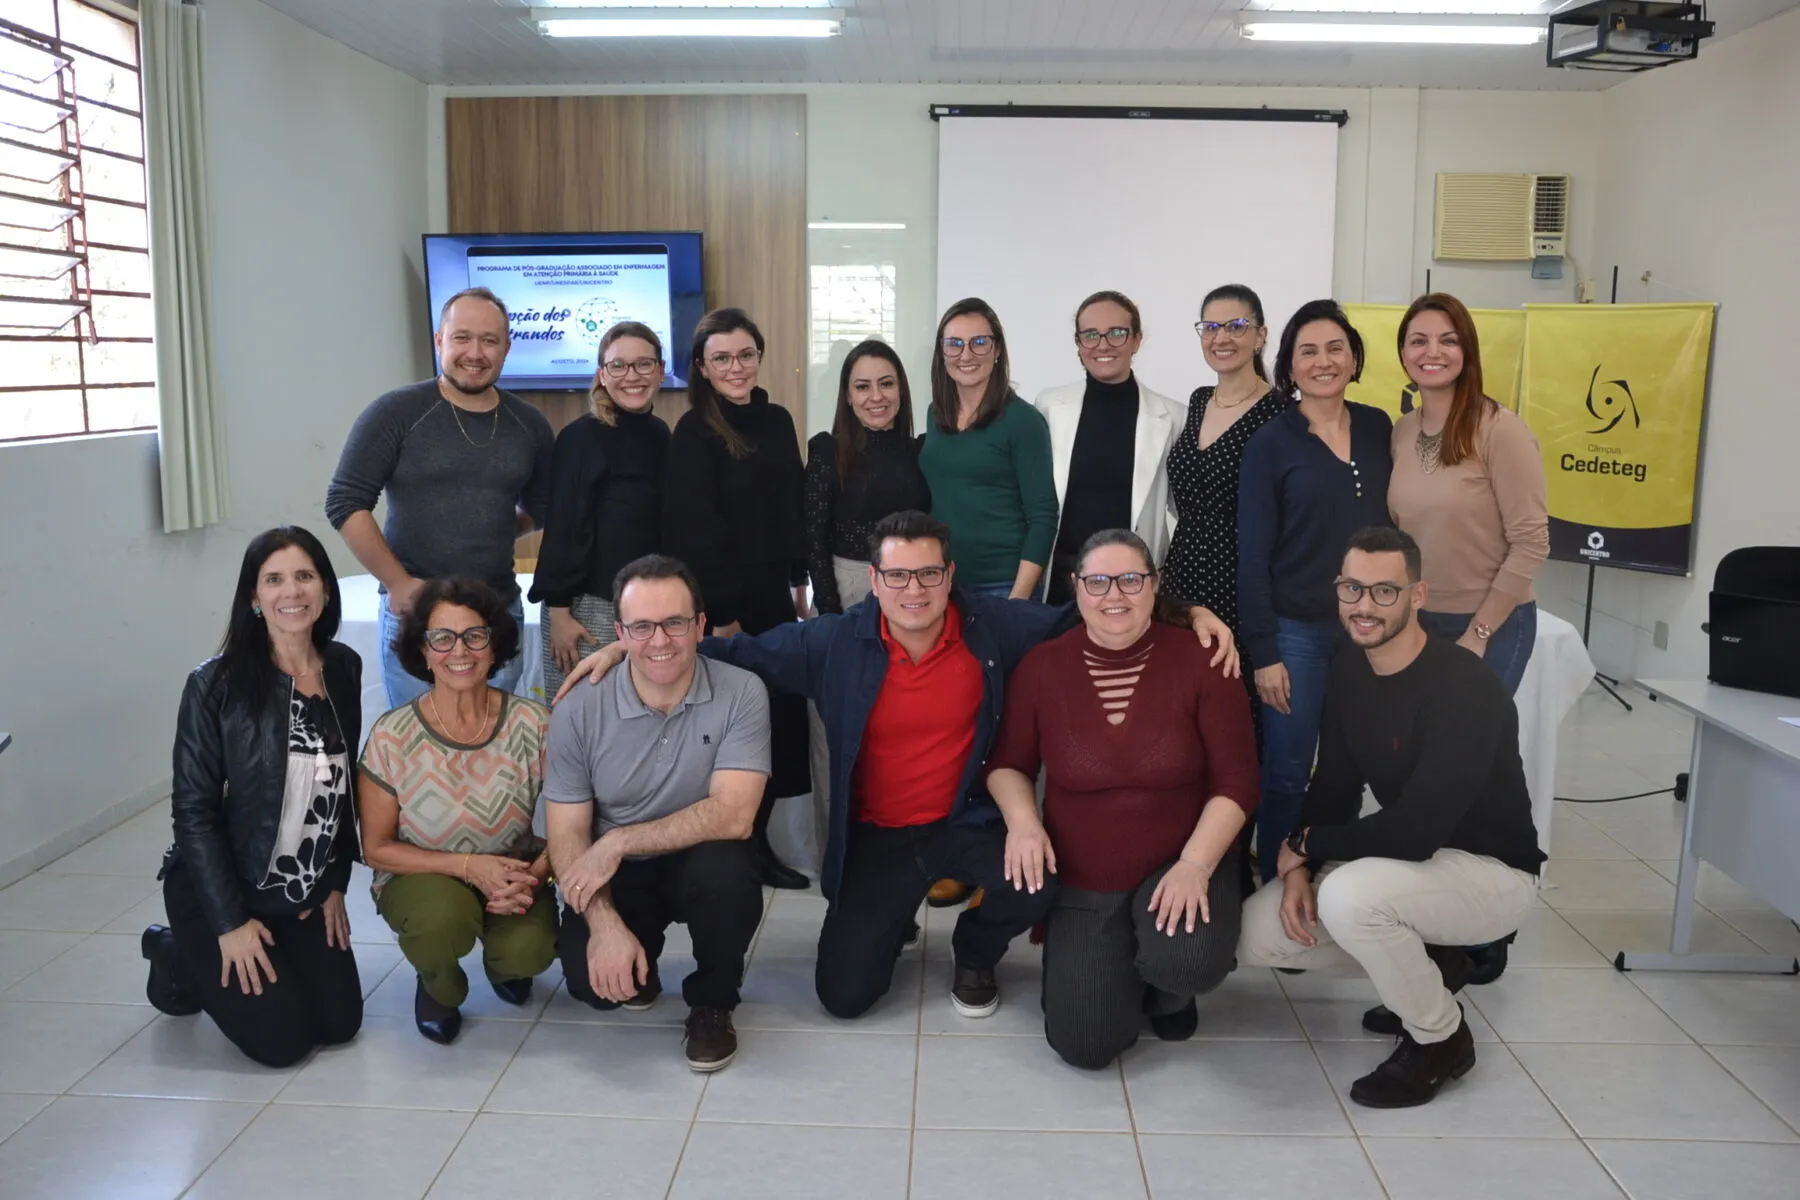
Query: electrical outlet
[(1659, 636), (1584, 291)]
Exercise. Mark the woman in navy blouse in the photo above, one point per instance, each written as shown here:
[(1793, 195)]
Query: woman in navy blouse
[(1311, 477)]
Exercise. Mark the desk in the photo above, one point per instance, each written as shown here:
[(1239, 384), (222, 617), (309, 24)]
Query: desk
[(360, 629), (1743, 814), (1559, 671)]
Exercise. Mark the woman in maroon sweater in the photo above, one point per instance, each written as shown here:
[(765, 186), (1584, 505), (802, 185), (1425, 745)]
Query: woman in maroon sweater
[(1151, 774)]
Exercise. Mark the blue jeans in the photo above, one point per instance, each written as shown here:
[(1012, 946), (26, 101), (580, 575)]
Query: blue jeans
[(1508, 651), (402, 688), (1001, 590), (1291, 739)]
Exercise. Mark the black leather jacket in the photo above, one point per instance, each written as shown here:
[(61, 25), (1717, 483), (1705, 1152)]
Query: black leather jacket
[(230, 773)]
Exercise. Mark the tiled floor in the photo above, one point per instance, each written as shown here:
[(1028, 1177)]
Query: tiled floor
[(1590, 1083)]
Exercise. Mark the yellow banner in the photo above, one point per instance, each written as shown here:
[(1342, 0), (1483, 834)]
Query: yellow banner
[(1615, 394), (1384, 382)]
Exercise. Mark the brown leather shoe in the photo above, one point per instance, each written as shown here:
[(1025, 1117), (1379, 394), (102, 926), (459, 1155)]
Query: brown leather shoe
[(946, 893), (711, 1042)]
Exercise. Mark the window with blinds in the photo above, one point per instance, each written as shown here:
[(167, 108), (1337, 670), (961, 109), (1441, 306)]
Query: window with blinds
[(76, 324)]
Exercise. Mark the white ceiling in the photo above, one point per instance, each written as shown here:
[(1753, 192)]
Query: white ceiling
[(494, 43)]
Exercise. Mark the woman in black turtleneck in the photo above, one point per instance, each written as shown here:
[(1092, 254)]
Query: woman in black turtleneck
[(864, 469), (605, 498), (731, 511), (1109, 440)]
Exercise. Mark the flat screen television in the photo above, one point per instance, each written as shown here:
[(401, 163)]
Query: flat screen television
[(563, 290)]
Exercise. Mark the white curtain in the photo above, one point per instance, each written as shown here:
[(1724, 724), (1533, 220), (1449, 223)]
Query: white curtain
[(191, 440)]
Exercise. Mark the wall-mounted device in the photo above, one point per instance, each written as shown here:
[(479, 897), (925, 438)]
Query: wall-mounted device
[(1502, 218)]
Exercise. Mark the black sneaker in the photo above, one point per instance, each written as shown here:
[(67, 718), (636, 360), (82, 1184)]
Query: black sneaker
[(1413, 1073), (975, 992), (1179, 1025), (646, 995), (1452, 963), (165, 994), (711, 1042), (439, 1023)]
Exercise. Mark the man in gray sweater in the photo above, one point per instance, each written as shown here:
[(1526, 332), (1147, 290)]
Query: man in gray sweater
[(466, 470)]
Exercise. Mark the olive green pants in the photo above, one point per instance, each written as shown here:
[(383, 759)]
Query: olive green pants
[(438, 920)]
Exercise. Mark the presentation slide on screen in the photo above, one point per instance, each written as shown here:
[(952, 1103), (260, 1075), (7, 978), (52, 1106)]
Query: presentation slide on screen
[(562, 299)]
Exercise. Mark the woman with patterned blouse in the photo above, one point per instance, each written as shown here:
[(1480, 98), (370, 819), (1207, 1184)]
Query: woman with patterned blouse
[(448, 787)]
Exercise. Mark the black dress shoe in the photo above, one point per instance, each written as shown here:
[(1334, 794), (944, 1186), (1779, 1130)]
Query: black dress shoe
[(1452, 964), (777, 874), (438, 1022), (1487, 963), (1414, 1072), (513, 991), (165, 994), (1179, 1025)]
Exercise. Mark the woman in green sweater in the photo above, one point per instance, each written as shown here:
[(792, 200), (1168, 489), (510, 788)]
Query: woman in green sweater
[(986, 458)]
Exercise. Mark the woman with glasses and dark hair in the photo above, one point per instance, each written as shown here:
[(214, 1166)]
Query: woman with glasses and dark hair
[(864, 469), (1150, 774), (1469, 487), (265, 828), (447, 789), (1310, 478), (732, 511), (986, 458), (605, 498), (1109, 440), (1201, 566)]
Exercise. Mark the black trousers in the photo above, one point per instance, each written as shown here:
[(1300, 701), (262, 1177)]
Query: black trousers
[(768, 602), (315, 999), (712, 888), (886, 875), (1106, 966)]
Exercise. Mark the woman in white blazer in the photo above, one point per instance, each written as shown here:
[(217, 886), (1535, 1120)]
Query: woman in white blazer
[(1109, 440)]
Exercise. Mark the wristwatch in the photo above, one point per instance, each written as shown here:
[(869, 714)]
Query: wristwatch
[(1484, 632), (1296, 841)]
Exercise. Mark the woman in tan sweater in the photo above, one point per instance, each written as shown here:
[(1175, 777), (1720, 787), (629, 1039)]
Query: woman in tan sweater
[(1468, 485)]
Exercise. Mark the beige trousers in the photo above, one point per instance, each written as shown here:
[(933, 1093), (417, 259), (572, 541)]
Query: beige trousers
[(1377, 914)]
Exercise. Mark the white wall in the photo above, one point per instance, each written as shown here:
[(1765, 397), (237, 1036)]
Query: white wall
[(317, 163), (1699, 171)]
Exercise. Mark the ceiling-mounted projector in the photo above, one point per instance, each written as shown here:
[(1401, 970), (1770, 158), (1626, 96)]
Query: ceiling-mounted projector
[(1625, 35)]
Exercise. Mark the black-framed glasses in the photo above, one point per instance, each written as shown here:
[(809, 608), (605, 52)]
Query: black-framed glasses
[(1349, 591), (1130, 583), (1236, 328), (980, 347), (476, 638), (743, 358), (618, 368), (641, 631), (1118, 335), (896, 578)]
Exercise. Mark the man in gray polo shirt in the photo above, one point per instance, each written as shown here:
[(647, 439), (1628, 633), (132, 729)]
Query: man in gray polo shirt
[(652, 783)]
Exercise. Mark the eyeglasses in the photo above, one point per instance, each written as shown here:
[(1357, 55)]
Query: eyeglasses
[(1130, 583), (981, 346), (1349, 591), (444, 641), (1212, 329), (618, 368), (641, 631), (897, 578), (743, 358), (1118, 335)]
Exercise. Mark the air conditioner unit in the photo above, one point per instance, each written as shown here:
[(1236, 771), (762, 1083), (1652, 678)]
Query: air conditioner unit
[(1501, 218)]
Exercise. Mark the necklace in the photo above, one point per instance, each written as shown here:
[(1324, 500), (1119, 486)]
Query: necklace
[(1224, 407), (492, 434), (1430, 447), (457, 735)]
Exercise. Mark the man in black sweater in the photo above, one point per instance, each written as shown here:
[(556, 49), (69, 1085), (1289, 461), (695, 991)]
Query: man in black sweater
[(1450, 859)]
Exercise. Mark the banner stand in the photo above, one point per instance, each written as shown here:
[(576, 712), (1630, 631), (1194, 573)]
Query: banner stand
[(1607, 683)]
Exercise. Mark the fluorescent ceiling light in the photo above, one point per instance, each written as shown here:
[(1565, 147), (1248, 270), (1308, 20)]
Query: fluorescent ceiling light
[(856, 225), (661, 4), (28, 62), (1504, 8), (1392, 33), (737, 22)]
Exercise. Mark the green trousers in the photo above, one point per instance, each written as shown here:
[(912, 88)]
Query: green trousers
[(438, 920)]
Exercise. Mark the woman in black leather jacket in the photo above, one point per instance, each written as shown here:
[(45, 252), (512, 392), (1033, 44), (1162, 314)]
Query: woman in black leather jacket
[(265, 818)]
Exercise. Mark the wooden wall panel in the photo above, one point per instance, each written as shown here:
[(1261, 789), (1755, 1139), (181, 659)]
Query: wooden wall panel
[(733, 167)]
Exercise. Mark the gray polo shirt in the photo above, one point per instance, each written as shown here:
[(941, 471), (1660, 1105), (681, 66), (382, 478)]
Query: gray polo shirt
[(636, 764)]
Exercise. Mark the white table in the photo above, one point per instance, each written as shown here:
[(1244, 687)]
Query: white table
[(1559, 671), (360, 629), (1743, 814)]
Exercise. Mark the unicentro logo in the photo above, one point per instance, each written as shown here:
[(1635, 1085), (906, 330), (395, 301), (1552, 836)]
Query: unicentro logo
[(1596, 540), (1608, 402), (1596, 546)]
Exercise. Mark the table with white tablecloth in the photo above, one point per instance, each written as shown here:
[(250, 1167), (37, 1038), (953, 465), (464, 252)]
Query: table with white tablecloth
[(360, 629), (1559, 671)]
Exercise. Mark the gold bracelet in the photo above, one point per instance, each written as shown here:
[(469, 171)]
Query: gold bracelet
[(465, 869)]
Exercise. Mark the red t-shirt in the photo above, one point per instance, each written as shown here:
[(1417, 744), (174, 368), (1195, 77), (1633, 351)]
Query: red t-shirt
[(1135, 743), (916, 744)]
